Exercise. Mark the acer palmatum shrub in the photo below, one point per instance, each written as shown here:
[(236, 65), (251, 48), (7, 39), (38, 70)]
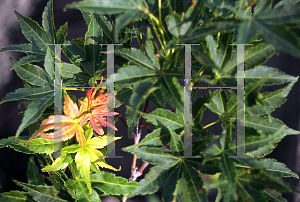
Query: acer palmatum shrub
[(221, 44)]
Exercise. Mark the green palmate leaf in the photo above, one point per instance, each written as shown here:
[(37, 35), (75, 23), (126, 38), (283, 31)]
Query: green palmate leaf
[(25, 48), (274, 195), (252, 95), (266, 126), (157, 99), (111, 184), (140, 94), (138, 57), (33, 32), (41, 146), (172, 92), (153, 155), (153, 180), (122, 96), (258, 181), (181, 191), (249, 191), (82, 191), (75, 51), (82, 160), (204, 168), (199, 131), (49, 64), (132, 74), (224, 46), (106, 6), (269, 166), (197, 35), (270, 101), (174, 21), (62, 34), (259, 146), (166, 117), (201, 55), (34, 111), (130, 118), (199, 107), (287, 3), (58, 180), (200, 144), (27, 93), (34, 75), (262, 7), (230, 8), (175, 144), (48, 22), (29, 59), (194, 183), (60, 163), (151, 49), (42, 193), (133, 10), (33, 175), (170, 186), (106, 27), (228, 169), (246, 30), (218, 103), (277, 169), (279, 36), (126, 19), (254, 55), (212, 49), (93, 37), (87, 17), (290, 14), (16, 144), (68, 70), (275, 76), (16, 196), (213, 151)]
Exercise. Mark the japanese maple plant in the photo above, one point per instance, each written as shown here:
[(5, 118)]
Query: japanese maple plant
[(72, 146)]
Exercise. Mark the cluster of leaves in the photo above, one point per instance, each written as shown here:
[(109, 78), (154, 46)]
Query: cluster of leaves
[(151, 73)]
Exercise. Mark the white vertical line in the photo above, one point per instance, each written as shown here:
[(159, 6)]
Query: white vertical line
[(110, 104), (58, 98), (240, 79)]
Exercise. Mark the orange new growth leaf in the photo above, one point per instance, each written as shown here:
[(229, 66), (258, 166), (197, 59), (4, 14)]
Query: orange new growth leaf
[(69, 125), (93, 108), (96, 106)]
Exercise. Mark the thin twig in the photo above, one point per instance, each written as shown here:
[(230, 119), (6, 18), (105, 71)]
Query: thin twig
[(122, 119), (135, 173)]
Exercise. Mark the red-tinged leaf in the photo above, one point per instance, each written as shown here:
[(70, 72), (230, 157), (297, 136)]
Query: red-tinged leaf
[(56, 119), (94, 125), (64, 133), (104, 123), (94, 107), (64, 126)]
